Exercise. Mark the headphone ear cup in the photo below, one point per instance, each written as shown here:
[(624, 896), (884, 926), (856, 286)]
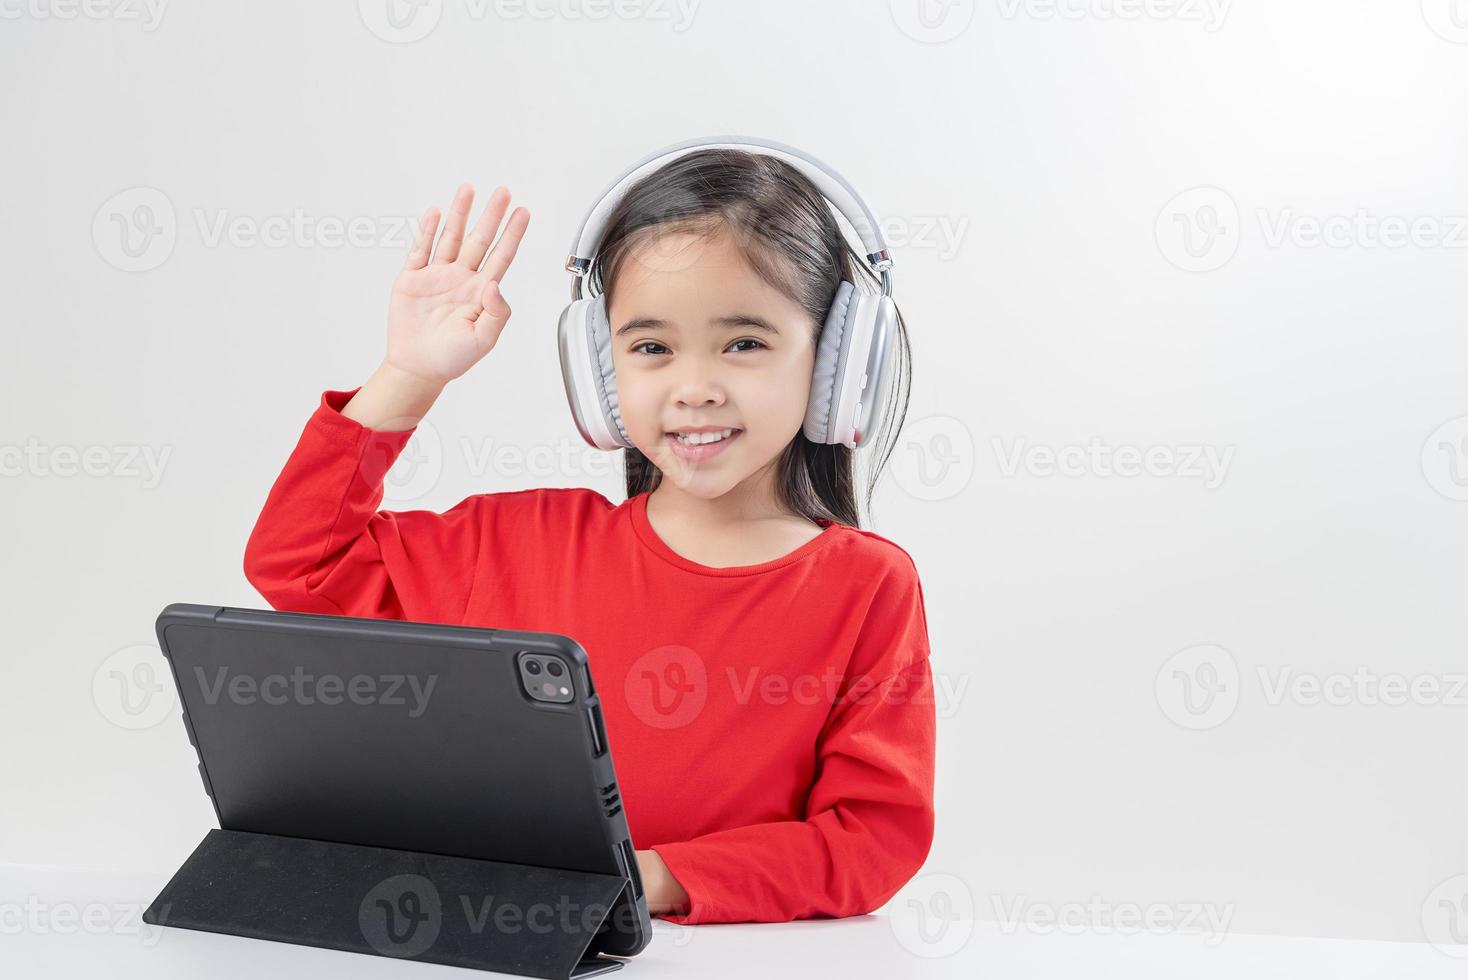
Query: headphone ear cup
[(852, 369), (874, 384), (585, 346), (601, 331), (820, 410)]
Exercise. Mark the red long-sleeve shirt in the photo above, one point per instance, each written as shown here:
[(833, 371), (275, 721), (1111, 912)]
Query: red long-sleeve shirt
[(772, 725)]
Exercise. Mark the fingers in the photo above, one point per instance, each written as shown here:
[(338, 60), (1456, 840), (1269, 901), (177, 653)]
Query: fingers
[(509, 243), (454, 247), (493, 317), (418, 253), (453, 228), (489, 221)]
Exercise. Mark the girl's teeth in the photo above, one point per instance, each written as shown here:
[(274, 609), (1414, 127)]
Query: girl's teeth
[(700, 438)]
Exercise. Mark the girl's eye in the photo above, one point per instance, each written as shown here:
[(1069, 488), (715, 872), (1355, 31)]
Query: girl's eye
[(641, 348)]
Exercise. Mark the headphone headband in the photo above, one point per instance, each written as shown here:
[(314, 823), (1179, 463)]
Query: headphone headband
[(832, 185)]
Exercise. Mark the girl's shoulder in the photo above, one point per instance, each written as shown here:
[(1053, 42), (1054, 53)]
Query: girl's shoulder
[(893, 634), (548, 496), (873, 553), (552, 507)]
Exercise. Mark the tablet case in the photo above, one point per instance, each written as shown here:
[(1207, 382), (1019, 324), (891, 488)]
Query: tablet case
[(406, 904), (291, 863)]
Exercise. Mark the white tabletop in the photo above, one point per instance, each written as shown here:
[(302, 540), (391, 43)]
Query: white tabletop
[(57, 922)]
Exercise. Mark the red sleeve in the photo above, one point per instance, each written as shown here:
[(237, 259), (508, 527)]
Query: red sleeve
[(869, 815), (320, 544)]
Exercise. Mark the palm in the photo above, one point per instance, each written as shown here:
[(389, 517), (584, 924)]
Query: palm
[(444, 314)]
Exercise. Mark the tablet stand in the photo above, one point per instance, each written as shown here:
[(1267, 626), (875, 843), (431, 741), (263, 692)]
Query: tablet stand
[(468, 912)]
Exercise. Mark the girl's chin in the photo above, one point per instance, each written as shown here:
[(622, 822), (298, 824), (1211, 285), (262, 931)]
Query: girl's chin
[(708, 479)]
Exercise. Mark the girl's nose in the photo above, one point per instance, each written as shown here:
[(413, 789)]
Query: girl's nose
[(698, 390), (699, 399)]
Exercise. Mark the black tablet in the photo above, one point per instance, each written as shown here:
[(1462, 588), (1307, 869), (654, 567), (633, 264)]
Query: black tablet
[(445, 740)]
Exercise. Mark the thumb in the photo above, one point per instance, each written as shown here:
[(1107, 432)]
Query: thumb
[(494, 315), (494, 301)]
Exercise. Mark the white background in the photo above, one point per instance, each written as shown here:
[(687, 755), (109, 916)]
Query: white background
[(1102, 217)]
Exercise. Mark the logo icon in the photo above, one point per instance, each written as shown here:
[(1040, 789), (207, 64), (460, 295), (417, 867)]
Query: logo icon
[(400, 21), (1447, 18), (1445, 917), (667, 686), (933, 916), (932, 21), (401, 916), (135, 230), (1445, 459), (418, 467), (934, 458), (1198, 687), (1198, 230), (132, 688)]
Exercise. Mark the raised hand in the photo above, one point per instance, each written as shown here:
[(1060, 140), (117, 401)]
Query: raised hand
[(445, 311)]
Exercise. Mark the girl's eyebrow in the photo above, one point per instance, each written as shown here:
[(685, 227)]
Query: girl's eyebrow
[(733, 320)]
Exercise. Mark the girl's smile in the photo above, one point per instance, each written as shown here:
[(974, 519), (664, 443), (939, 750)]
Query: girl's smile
[(710, 443)]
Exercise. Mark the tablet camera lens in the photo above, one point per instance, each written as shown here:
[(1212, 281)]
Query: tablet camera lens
[(556, 688)]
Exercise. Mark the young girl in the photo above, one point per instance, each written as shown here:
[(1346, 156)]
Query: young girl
[(762, 661)]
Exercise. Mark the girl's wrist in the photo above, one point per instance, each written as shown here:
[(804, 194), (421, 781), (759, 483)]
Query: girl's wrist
[(407, 383), (393, 399), (662, 890)]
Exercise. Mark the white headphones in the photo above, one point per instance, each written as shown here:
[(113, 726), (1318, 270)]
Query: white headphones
[(852, 366)]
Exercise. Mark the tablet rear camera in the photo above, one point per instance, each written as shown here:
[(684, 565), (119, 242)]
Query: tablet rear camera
[(556, 688)]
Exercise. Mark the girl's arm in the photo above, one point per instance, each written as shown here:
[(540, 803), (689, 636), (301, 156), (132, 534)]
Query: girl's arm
[(664, 894), (319, 544), (869, 814)]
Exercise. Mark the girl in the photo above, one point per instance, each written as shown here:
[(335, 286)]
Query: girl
[(762, 661)]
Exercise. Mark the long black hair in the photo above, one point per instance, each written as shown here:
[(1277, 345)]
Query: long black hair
[(788, 233)]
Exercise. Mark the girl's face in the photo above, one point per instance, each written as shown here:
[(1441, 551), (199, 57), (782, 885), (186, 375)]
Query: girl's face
[(700, 341)]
